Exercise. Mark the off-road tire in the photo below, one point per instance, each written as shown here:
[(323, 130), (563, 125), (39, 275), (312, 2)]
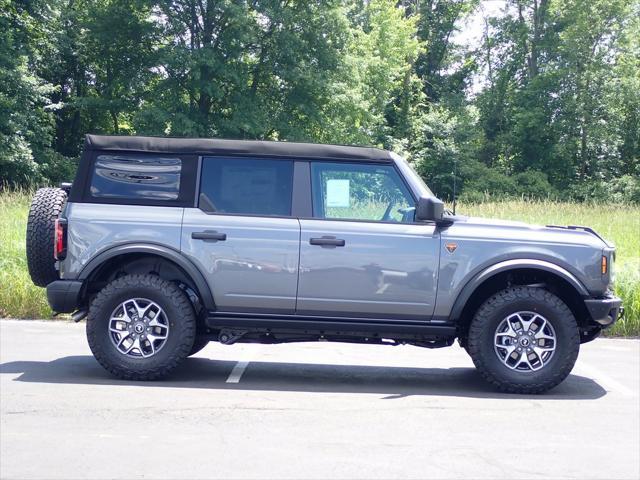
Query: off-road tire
[(499, 306), (46, 207), (199, 344), (180, 315)]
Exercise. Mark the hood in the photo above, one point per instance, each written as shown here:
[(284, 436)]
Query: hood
[(529, 233)]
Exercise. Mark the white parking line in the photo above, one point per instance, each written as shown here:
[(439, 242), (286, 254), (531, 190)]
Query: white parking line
[(609, 384), (238, 370)]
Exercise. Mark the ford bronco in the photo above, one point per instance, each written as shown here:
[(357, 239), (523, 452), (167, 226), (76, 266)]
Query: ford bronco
[(165, 244)]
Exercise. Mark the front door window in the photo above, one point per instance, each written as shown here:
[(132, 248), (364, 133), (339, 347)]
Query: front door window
[(343, 191)]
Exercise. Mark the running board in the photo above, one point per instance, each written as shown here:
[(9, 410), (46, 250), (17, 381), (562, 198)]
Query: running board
[(333, 325)]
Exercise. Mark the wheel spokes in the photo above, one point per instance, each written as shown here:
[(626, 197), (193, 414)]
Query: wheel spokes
[(524, 359), (138, 328), (524, 341)]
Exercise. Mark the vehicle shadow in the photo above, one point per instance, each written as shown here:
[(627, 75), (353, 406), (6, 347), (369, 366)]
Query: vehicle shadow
[(394, 382)]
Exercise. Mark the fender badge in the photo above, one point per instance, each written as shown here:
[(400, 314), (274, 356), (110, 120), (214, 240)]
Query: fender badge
[(451, 247)]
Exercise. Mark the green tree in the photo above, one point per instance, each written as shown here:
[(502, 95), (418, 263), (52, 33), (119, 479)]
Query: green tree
[(25, 121), (118, 48)]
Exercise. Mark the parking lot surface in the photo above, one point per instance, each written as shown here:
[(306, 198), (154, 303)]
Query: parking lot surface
[(311, 410)]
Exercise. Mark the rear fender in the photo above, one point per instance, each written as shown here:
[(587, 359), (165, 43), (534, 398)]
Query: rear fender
[(162, 251)]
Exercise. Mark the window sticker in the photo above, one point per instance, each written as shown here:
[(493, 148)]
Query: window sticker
[(337, 193)]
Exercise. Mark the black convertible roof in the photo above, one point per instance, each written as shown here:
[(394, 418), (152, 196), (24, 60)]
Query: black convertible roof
[(210, 146)]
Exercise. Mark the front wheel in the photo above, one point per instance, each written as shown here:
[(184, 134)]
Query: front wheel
[(140, 327), (524, 340)]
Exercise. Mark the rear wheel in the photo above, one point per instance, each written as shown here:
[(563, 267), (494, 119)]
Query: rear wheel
[(524, 340), (46, 207), (140, 327)]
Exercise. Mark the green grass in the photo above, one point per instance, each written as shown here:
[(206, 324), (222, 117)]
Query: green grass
[(19, 298)]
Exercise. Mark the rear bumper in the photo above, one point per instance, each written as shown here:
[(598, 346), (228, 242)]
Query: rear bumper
[(605, 310), (63, 295)]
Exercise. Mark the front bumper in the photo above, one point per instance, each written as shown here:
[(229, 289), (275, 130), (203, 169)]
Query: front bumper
[(64, 295), (605, 310)]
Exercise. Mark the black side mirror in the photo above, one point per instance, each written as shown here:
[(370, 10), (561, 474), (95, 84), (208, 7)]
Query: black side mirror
[(429, 209)]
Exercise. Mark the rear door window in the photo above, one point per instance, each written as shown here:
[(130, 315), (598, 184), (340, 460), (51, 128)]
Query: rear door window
[(246, 186)]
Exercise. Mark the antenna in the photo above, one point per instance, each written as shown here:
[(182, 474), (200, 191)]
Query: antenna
[(455, 171)]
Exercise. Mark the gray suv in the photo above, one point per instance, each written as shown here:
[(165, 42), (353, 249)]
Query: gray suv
[(166, 244)]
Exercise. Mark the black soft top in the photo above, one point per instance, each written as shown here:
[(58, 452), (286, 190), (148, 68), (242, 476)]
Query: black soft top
[(211, 146)]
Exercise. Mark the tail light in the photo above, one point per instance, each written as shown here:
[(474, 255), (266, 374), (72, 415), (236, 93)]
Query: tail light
[(60, 239)]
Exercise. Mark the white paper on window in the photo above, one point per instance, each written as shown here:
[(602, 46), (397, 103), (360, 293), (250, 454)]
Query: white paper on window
[(337, 193)]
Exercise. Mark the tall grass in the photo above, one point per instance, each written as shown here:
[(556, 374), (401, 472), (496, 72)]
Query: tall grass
[(18, 296), (621, 224)]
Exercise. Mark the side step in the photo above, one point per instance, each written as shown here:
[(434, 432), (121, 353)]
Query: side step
[(329, 325)]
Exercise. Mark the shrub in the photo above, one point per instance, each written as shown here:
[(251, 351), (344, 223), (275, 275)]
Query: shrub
[(533, 184), (624, 189)]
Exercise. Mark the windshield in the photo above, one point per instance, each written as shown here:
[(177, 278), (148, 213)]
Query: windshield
[(415, 181)]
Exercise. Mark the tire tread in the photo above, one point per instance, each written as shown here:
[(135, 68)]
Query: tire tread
[(485, 314), (174, 295), (46, 206)]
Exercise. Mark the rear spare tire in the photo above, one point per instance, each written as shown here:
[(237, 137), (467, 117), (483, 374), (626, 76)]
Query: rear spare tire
[(46, 207)]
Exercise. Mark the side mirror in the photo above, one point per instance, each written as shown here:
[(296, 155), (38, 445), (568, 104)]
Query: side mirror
[(429, 209)]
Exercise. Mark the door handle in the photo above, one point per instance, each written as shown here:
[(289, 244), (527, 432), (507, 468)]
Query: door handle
[(209, 235), (327, 241)]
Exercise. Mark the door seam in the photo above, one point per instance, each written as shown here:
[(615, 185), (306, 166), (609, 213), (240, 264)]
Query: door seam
[(295, 307)]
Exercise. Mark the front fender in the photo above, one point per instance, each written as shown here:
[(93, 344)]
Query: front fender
[(507, 265)]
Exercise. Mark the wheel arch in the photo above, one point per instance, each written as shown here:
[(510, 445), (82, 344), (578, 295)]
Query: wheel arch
[(103, 265), (519, 272)]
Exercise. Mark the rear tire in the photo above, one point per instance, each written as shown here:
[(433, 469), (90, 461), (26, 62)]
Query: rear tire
[(46, 207), (147, 309), (518, 320)]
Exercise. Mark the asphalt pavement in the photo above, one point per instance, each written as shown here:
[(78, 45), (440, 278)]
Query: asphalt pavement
[(310, 410)]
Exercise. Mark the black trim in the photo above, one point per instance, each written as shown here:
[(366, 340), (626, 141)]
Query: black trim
[(79, 184), (162, 251), (584, 229), (327, 241), (210, 235), (63, 295), (306, 323), (301, 202), (221, 147), (606, 310), (511, 264), (196, 193)]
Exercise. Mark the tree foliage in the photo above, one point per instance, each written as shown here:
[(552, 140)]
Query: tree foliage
[(547, 104)]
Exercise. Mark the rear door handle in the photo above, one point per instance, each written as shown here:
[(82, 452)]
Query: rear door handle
[(209, 235), (327, 241)]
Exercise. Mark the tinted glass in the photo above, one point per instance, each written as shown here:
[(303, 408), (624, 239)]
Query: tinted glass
[(360, 192), (136, 177), (246, 186)]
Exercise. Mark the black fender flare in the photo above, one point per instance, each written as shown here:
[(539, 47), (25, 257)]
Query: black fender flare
[(159, 250), (507, 265)]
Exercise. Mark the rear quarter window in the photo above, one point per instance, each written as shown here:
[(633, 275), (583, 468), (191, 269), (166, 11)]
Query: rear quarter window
[(154, 179), (151, 178)]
